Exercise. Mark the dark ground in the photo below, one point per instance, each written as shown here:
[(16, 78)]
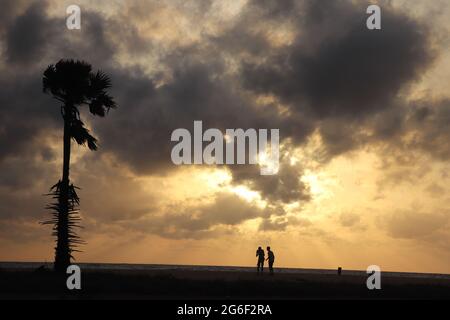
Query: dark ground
[(188, 284)]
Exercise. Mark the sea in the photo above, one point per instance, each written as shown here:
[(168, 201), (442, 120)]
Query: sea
[(150, 267)]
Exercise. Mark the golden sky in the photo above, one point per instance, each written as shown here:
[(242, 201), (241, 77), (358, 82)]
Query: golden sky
[(364, 119)]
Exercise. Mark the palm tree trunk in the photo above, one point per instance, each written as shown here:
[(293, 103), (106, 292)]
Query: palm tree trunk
[(62, 253)]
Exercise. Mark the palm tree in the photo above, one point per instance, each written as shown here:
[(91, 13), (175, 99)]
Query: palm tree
[(74, 85)]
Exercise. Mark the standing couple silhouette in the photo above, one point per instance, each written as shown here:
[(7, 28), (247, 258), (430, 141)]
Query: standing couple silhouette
[(261, 257)]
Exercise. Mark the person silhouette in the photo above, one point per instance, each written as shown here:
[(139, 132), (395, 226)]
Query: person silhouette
[(260, 264), (271, 259)]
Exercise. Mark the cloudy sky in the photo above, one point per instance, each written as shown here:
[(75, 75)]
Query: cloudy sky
[(364, 119)]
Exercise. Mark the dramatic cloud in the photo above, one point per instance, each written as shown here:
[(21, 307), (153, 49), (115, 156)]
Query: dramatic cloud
[(335, 67), (197, 221), (281, 223), (415, 224)]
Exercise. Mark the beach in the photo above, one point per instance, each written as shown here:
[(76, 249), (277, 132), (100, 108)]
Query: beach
[(121, 281)]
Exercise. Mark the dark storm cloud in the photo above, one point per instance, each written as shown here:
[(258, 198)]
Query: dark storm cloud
[(26, 38), (409, 130), (24, 112), (33, 39), (11, 9), (91, 43), (337, 67), (430, 123), (336, 75)]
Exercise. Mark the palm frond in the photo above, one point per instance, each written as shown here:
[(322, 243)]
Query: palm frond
[(81, 134), (63, 223), (100, 81), (101, 105), (68, 80), (74, 84)]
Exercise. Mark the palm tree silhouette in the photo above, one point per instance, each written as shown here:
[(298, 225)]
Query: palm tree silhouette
[(73, 84)]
